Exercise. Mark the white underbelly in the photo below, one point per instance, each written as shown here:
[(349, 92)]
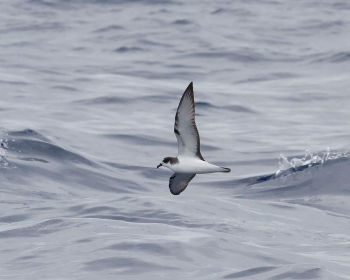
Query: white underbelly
[(189, 165)]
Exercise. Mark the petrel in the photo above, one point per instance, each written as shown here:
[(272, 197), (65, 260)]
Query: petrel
[(189, 160)]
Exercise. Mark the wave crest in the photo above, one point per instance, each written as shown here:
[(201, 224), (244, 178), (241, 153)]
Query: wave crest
[(309, 159), (311, 175)]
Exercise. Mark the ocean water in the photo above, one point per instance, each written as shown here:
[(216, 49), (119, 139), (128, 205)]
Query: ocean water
[(88, 94)]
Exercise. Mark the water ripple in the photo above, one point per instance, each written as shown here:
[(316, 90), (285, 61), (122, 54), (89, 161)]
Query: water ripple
[(129, 265)]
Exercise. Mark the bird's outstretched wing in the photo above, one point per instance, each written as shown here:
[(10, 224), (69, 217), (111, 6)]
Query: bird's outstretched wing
[(179, 181), (185, 126)]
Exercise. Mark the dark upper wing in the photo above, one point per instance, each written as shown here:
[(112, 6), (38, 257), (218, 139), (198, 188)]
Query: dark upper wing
[(185, 126), (179, 181)]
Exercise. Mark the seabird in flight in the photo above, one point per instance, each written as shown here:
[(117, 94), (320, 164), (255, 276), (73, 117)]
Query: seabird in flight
[(189, 160)]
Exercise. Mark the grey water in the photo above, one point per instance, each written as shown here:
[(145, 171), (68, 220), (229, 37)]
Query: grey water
[(88, 94)]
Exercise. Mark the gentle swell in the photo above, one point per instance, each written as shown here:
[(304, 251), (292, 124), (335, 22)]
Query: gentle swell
[(28, 156)]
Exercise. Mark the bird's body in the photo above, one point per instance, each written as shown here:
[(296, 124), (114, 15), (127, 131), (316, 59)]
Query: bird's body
[(189, 160), (194, 165)]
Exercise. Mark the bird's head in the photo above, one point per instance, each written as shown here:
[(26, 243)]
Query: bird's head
[(167, 162)]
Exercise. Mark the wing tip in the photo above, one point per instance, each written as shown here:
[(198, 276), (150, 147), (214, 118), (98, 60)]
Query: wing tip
[(189, 92), (190, 87), (174, 193)]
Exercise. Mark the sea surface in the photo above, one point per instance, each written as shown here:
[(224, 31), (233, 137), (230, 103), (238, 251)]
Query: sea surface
[(88, 94)]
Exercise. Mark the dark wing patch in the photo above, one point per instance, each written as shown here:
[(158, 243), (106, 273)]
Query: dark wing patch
[(185, 128), (179, 181)]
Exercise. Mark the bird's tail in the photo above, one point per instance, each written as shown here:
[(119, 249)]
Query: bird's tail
[(225, 169)]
